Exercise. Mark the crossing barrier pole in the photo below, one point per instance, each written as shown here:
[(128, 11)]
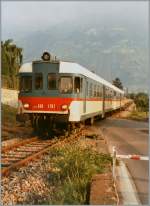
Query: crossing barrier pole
[(133, 157), (114, 163)]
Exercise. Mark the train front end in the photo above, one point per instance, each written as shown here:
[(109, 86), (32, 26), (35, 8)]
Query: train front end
[(44, 95)]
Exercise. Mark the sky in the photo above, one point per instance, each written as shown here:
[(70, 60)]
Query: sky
[(20, 16)]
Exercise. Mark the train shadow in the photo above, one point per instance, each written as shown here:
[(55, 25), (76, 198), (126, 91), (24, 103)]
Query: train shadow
[(60, 130)]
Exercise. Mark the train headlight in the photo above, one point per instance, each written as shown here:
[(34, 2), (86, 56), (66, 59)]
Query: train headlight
[(64, 107), (26, 105), (46, 56)]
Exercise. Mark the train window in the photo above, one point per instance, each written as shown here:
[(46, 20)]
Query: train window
[(52, 81), (106, 92), (101, 91), (77, 85), (87, 89), (94, 90), (91, 90), (65, 84), (38, 81), (97, 91), (25, 84)]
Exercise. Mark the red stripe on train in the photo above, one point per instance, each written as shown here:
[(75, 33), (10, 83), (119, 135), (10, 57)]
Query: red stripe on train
[(52, 103), (45, 103)]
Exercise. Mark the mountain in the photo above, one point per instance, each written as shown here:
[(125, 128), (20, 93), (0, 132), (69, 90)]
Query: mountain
[(111, 49)]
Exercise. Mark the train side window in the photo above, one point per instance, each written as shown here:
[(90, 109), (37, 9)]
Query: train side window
[(38, 81), (94, 90), (106, 92), (91, 90), (77, 84), (65, 84), (25, 84), (52, 81), (97, 91), (87, 89), (101, 91)]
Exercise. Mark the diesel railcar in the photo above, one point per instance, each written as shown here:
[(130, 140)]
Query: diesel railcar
[(54, 91)]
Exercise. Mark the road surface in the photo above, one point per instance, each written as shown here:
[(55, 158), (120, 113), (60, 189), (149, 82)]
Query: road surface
[(130, 137)]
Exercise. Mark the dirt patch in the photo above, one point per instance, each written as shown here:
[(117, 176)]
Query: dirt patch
[(126, 113), (144, 131), (12, 134)]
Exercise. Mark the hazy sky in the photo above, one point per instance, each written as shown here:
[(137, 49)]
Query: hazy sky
[(38, 15)]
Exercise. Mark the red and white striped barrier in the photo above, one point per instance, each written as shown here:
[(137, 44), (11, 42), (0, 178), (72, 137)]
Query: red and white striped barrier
[(133, 157)]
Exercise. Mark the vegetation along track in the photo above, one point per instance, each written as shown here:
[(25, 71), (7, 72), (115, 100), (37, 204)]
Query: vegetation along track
[(19, 154)]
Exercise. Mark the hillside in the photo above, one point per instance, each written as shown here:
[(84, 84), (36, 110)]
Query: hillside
[(109, 51)]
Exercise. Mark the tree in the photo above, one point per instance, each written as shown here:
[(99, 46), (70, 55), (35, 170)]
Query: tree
[(142, 102), (11, 61), (117, 83)]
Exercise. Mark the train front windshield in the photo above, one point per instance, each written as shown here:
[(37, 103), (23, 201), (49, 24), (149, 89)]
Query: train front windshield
[(25, 84), (65, 85)]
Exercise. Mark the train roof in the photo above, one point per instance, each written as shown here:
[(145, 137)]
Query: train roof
[(71, 67), (26, 68)]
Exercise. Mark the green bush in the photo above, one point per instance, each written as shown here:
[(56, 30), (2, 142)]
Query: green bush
[(141, 100)]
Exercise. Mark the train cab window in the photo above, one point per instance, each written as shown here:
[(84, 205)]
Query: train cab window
[(38, 81), (77, 84), (52, 81), (25, 84), (65, 84)]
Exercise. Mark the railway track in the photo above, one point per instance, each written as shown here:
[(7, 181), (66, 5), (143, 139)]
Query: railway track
[(20, 154)]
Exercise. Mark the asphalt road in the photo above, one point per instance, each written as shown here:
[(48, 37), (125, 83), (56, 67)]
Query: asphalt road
[(130, 137)]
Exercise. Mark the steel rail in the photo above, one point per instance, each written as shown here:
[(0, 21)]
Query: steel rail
[(30, 155)]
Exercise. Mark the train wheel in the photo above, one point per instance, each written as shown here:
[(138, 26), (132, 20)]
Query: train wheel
[(34, 124), (40, 125), (69, 127), (91, 120), (37, 124)]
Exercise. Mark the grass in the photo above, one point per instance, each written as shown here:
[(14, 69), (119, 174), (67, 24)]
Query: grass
[(74, 168), (139, 116), (8, 114)]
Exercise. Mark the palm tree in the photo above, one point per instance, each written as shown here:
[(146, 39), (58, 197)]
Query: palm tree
[(11, 61)]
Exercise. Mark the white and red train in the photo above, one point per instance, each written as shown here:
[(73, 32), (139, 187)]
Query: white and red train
[(58, 91)]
